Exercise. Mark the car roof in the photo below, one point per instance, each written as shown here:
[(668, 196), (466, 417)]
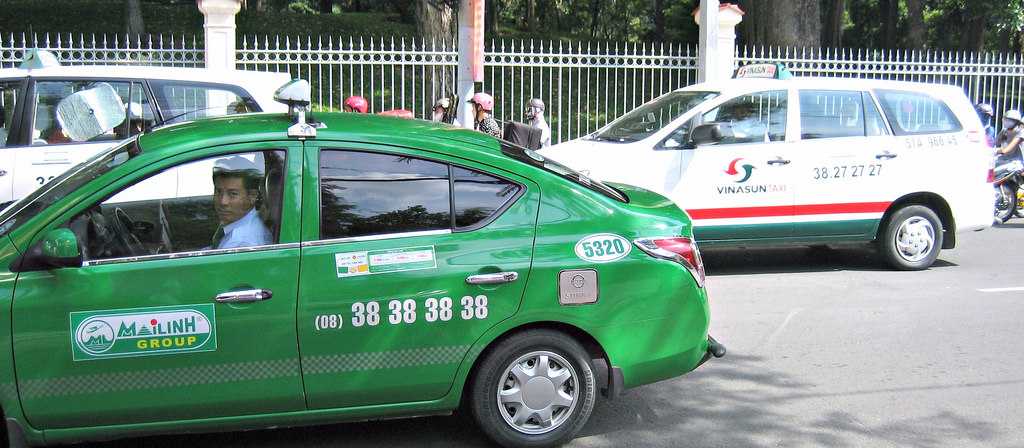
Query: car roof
[(138, 71), (813, 82), (338, 126)]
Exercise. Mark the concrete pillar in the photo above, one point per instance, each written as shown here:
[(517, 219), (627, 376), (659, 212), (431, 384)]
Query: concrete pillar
[(219, 27), (465, 85), (723, 62), (707, 51)]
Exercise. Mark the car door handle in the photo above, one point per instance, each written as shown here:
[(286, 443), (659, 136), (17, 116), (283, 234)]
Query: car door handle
[(885, 155), (492, 279), (779, 161), (244, 296)]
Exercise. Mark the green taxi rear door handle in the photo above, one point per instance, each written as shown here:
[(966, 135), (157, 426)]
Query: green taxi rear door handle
[(492, 279), (244, 296)]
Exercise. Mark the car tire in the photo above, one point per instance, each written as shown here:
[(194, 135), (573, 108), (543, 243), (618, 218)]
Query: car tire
[(513, 370), (912, 238)]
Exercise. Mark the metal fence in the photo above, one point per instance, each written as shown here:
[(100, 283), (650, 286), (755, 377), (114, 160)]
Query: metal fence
[(585, 85)]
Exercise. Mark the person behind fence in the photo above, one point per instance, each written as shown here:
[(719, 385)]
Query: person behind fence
[(483, 105), (236, 196), (356, 103), (535, 118), (442, 112)]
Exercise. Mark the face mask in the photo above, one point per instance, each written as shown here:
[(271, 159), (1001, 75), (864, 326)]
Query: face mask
[(1007, 124)]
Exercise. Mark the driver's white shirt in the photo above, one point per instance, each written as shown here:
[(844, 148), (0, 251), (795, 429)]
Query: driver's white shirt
[(246, 232)]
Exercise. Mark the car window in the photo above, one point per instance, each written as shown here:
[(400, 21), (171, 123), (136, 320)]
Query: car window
[(831, 113), (759, 117), (363, 193), (139, 114), (48, 94), (916, 113), (229, 201), (9, 93), (479, 196), (184, 101), (647, 119)]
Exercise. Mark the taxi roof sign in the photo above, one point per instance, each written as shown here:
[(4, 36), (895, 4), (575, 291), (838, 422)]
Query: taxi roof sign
[(36, 58), (777, 70)]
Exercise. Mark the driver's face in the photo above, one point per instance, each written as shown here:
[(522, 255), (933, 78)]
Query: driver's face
[(231, 200)]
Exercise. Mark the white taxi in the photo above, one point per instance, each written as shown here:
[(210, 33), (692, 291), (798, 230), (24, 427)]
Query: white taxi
[(36, 148), (793, 160)]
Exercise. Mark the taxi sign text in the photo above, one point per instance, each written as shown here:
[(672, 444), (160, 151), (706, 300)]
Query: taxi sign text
[(142, 331)]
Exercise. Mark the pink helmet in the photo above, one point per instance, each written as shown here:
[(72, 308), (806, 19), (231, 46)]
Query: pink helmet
[(357, 103), (485, 101)]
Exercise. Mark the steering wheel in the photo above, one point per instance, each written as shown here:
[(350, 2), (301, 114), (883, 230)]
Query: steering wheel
[(123, 225)]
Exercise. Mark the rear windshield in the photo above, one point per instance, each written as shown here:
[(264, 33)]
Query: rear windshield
[(531, 157), (647, 119)]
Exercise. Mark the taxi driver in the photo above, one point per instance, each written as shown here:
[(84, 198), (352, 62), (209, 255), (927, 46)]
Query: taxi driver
[(236, 182)]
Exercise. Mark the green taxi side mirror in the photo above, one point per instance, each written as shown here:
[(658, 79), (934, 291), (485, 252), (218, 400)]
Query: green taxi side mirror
[(57, 249)]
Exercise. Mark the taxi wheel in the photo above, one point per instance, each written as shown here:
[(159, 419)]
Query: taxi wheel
[(535, 389), (912, 238)]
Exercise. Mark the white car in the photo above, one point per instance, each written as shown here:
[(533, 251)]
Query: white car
[(36, 148), (806, 161)]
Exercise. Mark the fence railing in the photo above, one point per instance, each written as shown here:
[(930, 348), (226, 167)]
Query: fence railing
[(585, 85)]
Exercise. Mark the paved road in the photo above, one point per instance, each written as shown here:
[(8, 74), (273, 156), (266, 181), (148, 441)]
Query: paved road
[(826, 348)]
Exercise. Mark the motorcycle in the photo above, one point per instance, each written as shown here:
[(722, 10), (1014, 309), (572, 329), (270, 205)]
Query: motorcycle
[(1009, 179)]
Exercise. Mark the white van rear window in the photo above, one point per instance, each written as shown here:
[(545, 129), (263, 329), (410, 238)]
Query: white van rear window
[(916, 113)]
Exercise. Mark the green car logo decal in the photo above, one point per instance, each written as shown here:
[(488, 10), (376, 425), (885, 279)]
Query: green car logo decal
[(602, 248), (142, 331), (748, 170)]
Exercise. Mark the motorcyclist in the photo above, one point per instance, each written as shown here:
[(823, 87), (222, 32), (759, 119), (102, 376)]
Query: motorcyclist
[(483, 106), (985, 113), (1008, 143), (443, 113), (356, 103), (535, 118)]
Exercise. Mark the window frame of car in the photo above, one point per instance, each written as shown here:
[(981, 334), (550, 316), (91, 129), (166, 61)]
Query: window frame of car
[(416, 153), (18, 132), (726, 96), (893, 122), (155, 86), (29, 114), (139, 173)]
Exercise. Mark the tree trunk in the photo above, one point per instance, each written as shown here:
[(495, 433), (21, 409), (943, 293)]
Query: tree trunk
[(434, 20), (890, 15), (595, 10), (659, 20), (794, 23), (916, 33), (973, 37), (326, 6), (833, 32), (531, 16), (134, 25), (261, 6)]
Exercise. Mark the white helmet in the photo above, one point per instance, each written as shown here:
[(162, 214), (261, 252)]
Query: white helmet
[(1013, 114)]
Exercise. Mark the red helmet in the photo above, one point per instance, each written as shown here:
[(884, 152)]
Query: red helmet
[(485, 101), (357, 103)]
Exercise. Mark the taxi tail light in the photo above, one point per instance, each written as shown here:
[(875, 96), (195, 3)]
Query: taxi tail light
[(679, 249), (975, 136), (991, 175)]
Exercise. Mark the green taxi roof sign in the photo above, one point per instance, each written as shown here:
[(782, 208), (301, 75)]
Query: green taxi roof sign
[(37, 58), (777, 70)]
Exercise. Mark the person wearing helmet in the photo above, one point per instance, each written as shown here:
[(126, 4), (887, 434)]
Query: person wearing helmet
[(1009, 141), (483, 106), (985, 113), (356, 103), (443, 113), (535, 118)]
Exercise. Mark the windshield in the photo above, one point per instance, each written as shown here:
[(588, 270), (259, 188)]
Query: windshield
[(531, 157), (645, 120), (56, 189)]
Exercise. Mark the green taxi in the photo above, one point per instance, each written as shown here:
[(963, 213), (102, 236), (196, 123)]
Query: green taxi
[(236, 273)]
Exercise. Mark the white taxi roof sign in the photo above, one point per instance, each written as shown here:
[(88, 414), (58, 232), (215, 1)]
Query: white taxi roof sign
[(764, 71)]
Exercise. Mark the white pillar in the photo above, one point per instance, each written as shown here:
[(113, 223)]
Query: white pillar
[(464, 85), (707, 50), (724, 50), (219, 27)]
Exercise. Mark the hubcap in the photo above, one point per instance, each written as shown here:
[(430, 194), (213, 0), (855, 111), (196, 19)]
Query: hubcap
[(915, 238), (538, 392)]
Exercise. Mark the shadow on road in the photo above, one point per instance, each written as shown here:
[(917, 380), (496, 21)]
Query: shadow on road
[(735, 261)]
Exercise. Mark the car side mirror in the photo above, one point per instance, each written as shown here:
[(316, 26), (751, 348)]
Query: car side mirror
[(706, 134), (58, 249)]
